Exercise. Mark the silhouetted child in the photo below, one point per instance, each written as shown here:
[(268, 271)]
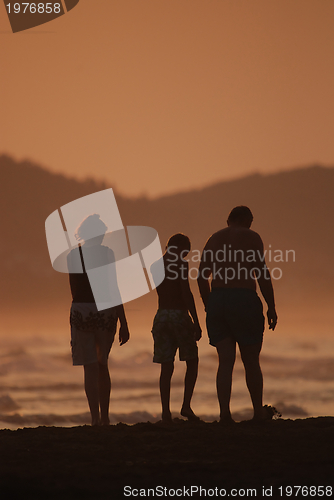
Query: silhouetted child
[(173, 327)]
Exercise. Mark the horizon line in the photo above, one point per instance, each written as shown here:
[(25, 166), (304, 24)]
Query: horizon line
[(166, 194)]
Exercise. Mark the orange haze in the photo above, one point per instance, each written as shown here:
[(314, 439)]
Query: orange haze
[(162, 96)]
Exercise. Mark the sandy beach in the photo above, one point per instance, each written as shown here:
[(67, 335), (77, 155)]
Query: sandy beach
[(155, 460)]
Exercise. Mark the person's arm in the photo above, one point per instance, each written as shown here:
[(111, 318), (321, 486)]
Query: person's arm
[(123, 333), (189, 301), (266, 286), (204, 273)]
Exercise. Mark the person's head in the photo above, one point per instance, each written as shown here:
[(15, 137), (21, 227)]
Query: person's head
[(179, 244), (92, 230), (240, 216)]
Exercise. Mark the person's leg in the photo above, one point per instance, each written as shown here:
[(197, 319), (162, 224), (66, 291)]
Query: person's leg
[(103, 342), (226, 352), (104, 392), (189, 384), (91, 372), (167, 369), (250, 355)]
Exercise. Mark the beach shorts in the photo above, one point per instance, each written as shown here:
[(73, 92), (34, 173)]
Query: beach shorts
[(236, 313), (92, 333), (173, 329)]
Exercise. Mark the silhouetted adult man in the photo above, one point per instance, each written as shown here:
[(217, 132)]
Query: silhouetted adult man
[(234, 258)]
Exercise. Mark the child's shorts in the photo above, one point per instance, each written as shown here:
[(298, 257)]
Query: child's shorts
[(92, 333), (173, 329)]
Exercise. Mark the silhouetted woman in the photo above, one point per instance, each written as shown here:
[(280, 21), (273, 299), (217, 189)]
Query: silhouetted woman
[(93, 331)]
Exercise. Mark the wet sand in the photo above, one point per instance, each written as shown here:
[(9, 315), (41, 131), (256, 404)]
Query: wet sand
[(98, 463)]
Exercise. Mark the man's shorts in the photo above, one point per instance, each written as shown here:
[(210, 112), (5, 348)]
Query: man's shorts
[(236, 313), (92, 333), (173, 329)]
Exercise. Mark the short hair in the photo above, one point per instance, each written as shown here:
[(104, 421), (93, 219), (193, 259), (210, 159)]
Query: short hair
[(241, 214), (90, 227), (180, 241)]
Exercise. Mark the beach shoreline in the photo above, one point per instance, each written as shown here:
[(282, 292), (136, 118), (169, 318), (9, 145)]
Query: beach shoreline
[(121, 460)]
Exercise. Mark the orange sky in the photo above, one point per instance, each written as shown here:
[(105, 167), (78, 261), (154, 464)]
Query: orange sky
[(164, 95)]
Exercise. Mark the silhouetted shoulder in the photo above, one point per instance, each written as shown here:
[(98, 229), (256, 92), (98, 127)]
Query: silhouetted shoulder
[(219, 233), (155, 271), (255, 237), (93, 256), (215, 237), (175, 268)]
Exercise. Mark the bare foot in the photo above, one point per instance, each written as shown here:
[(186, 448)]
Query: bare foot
[(226, 419), (189, 414), (166, 417), (95, 422)]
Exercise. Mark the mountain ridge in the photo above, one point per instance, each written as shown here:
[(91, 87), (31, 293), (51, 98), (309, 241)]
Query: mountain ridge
[(292, 210)]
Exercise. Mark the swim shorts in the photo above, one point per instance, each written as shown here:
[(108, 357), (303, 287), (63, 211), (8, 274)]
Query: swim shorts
[(236, 313), (173, 329), (92, 333)]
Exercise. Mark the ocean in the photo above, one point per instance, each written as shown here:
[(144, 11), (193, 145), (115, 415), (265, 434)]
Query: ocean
[(39, 385)]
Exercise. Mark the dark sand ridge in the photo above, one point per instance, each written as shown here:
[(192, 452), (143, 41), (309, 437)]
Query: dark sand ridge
[(97, 463)]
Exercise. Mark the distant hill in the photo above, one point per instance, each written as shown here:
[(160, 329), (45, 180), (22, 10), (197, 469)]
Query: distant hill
[(293, 210)]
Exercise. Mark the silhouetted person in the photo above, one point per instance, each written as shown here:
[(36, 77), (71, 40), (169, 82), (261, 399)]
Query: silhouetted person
[(234, 258), (93, 331), (173, 328)]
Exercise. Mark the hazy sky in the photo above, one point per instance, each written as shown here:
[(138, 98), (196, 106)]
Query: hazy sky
[(164, 95)]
